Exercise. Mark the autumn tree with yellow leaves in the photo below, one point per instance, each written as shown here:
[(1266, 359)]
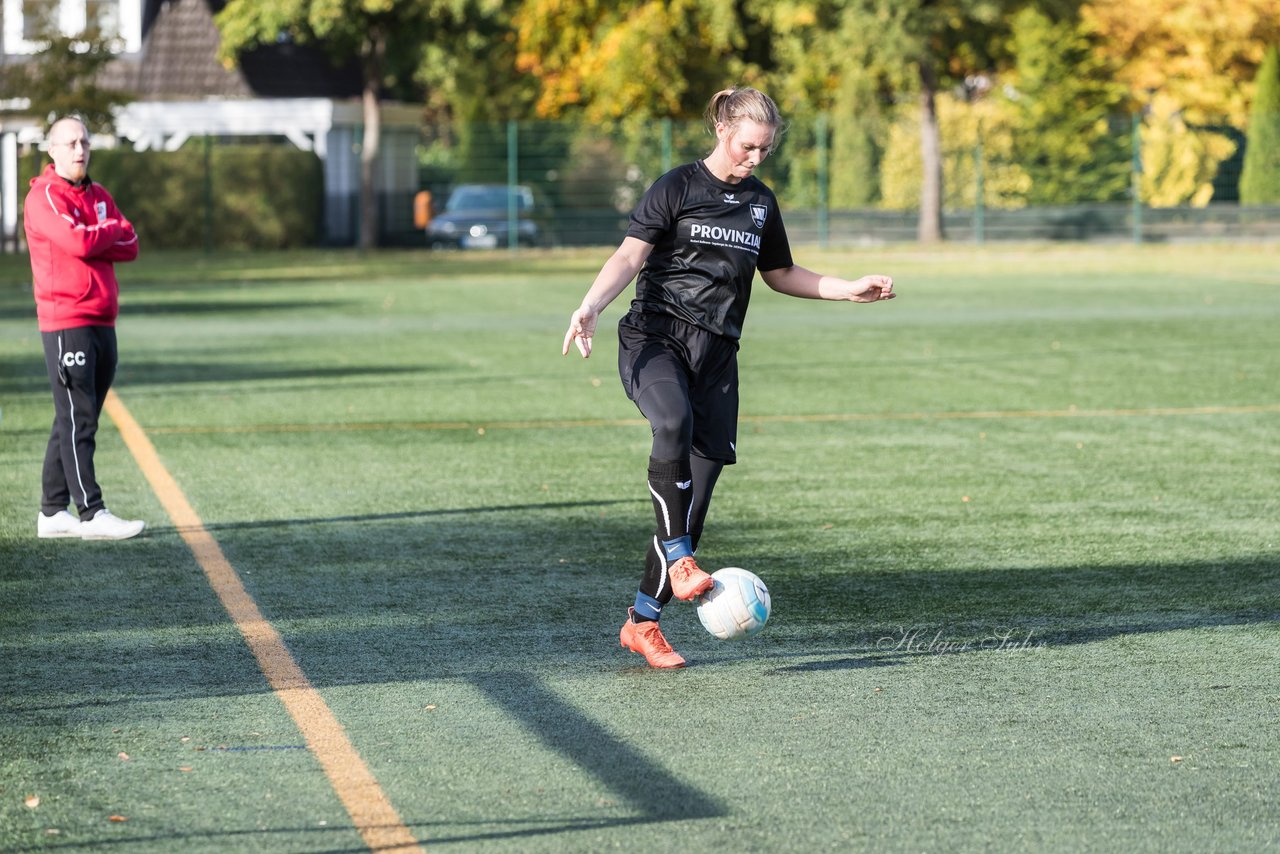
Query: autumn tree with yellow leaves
[(1183, 65)]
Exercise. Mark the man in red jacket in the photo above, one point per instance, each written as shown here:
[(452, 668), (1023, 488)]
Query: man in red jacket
[(75, 235)]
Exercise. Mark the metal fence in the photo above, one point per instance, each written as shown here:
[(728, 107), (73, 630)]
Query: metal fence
[(838, 183), (588, 178)]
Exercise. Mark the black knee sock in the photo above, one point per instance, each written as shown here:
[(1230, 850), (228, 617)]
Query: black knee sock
[(671, 487), (655, 588), (705, 474), (678, 503)]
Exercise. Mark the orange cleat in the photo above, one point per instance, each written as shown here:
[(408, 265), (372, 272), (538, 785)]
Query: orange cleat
[(646, 638), (687, 580)]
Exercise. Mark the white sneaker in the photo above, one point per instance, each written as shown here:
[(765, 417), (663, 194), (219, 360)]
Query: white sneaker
[(105, 526), (60, 524)]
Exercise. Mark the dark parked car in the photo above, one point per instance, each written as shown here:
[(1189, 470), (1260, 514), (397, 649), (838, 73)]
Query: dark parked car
[(477, 216)]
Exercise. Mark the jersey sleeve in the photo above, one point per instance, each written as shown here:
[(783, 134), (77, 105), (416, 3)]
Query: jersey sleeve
[(775, 249), (655, 216)]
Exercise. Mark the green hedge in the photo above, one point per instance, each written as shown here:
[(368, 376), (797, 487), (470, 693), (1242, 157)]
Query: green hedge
[(257, 196)]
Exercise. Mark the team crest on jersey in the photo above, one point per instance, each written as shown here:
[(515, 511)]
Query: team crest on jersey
[(758, 214), (101, 208)]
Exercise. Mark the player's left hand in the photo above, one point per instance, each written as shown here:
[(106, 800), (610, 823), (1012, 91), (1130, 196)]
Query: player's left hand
[(871, 289)]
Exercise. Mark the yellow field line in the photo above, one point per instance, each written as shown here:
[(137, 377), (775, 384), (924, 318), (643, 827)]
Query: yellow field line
[(1070, 412), (377, 820)]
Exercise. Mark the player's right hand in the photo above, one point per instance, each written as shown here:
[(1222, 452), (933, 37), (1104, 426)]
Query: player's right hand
[(582, 328)]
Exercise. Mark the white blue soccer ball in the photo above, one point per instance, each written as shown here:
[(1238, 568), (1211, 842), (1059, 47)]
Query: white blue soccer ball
[(737, 606)]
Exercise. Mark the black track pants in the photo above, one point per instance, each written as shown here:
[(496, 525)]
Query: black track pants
[(81, 364)]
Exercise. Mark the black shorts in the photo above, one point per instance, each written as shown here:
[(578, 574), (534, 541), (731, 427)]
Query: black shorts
[(658, 348)]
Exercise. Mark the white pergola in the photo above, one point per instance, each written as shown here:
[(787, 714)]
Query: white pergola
[(332, 129), (166, 125), (13, 134)]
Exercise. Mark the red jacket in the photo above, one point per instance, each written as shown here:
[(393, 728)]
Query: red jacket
[(75, 235)]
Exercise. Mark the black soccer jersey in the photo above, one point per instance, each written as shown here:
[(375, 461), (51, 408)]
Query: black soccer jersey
[(709, 237)]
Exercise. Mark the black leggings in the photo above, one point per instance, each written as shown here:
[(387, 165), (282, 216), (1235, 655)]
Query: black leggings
[(666, 406), (670, 414)]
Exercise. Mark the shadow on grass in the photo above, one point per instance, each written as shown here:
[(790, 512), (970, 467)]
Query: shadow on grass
[(835, 664), (258, 837), (26, 311), (650, 789), (420, 378), (1001, 608), (447, 594), (138, 374), (22, 376), (398, 596), (18, 307), (408, 514), (28, 376), (179, 307)]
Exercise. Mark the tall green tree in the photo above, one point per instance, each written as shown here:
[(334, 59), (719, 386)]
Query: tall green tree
[(1260, 180), (1200, 53), (619, 68), (386, 37), (819, 70), (907, 49), (1072, 138), (964, 124), (1180, 161), (663, 59), (473, 89), (473, 74), (636, 59)]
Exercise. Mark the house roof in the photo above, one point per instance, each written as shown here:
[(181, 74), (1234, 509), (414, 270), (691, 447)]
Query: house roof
[(179, 60)]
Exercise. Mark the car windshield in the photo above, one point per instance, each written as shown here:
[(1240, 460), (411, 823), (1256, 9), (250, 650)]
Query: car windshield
[(475, 198)]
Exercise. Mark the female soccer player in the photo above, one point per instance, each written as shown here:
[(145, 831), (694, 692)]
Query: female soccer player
[(696, 240)]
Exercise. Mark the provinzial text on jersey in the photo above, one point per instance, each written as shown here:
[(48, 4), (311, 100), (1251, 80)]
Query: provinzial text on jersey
[(734, 236)]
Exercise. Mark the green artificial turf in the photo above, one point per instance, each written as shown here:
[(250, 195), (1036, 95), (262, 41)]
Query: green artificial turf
[(1019, 526)]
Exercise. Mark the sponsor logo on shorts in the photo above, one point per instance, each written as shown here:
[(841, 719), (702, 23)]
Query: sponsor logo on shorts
[(72, 359)]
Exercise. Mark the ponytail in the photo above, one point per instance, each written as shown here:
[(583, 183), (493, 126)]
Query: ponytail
[(731, 106)]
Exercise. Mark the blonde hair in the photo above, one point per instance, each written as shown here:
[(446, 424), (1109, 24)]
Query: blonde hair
[(730, 106)]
